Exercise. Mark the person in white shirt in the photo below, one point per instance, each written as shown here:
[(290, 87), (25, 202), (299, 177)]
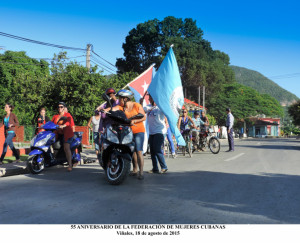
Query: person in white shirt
[(157, 131), (229, 125)]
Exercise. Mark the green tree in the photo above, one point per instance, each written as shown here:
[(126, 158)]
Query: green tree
[(294, 112), (244, 102), (198, 63), (80, 90), (24, 83)]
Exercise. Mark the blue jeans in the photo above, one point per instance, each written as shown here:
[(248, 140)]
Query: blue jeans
[(169, 137), (9, 142), (96, 140), (156, 141), (139, 141)]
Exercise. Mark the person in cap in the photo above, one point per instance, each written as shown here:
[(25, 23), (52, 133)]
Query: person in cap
[(229, 126), (65, 131), (105, 121)]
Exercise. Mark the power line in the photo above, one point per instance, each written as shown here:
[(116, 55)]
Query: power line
[(37, 64), (40, 42), (46, 58), (100, 63), (103, 58), (102, 67)]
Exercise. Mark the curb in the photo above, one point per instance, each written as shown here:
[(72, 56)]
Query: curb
[(13, 169), (20, 168)]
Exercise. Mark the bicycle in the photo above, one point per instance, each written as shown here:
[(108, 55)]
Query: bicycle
[(187, 136)]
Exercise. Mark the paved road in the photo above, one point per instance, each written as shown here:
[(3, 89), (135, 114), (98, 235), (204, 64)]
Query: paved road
[(257, 184)]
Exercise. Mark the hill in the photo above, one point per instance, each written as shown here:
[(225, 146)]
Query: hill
[(263, 85)]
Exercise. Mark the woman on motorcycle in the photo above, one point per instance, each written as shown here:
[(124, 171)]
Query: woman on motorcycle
[(131, 109), (10, 121), (41, 120)]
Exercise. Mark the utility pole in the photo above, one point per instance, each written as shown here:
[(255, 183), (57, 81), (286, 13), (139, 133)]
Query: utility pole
[(199, 95), (203, 98), (88, 57)]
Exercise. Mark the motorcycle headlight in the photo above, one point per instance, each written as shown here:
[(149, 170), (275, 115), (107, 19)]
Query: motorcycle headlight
[(112, 136), (43, 141), (32, 141), (128, 138)]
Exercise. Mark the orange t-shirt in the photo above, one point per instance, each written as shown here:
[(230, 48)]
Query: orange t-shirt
[(137, 127)]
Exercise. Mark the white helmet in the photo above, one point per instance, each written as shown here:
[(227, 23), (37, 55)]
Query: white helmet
[(125, 93)]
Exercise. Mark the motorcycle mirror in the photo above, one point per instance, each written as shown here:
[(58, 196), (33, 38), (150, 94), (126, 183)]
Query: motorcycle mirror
[(107, 99)]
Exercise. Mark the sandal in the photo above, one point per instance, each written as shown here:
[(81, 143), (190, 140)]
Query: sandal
[(133, 173), (69, 169)]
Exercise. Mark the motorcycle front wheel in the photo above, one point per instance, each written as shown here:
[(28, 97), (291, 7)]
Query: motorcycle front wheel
[(34, 166), (214, 145), (116, 174)]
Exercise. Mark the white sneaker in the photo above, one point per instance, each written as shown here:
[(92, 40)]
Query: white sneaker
[(174, 156)]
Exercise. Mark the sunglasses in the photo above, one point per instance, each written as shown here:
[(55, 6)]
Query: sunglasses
[(184, 112), (61, 107)]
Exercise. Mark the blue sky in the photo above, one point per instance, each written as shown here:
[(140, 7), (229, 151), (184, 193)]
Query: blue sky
[(259, 35)]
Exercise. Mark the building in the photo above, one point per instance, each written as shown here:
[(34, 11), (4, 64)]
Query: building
[(263, 127)]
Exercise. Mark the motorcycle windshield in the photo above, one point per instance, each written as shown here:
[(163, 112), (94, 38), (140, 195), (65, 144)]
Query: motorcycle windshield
[(119, 117), (49, 126)]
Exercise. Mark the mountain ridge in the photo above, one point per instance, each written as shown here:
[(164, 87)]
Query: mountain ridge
[(263, 85)]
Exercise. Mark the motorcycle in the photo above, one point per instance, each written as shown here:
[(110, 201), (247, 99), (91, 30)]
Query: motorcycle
[(48, 151), (206, 138), (118, 146)]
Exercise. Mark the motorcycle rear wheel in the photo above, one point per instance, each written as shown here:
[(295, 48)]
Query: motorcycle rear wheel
[(115, 175), (34, 166), (214, 145)]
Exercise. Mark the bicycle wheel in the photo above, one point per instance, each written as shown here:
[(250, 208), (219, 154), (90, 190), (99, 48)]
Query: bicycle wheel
[(214, 145)]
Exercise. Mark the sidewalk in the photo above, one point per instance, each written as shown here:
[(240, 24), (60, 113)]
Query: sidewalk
[(19, 168)]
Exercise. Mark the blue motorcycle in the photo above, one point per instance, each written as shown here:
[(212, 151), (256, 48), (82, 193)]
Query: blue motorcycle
[(48, 151)]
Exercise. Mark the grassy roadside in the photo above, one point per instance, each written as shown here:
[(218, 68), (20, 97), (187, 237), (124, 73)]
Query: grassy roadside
[(12, 159)]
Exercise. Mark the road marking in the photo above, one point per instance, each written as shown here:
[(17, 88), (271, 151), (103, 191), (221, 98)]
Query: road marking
[(235, 157)]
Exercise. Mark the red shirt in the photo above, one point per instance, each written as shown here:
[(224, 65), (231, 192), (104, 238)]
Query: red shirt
[(68, 130)]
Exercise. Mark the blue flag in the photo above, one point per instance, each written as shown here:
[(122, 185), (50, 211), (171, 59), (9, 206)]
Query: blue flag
[(166, 91)]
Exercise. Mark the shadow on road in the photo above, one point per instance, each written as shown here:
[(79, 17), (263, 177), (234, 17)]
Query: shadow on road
[(176, 197)]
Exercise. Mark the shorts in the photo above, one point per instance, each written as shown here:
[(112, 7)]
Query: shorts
[(139, 141)]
